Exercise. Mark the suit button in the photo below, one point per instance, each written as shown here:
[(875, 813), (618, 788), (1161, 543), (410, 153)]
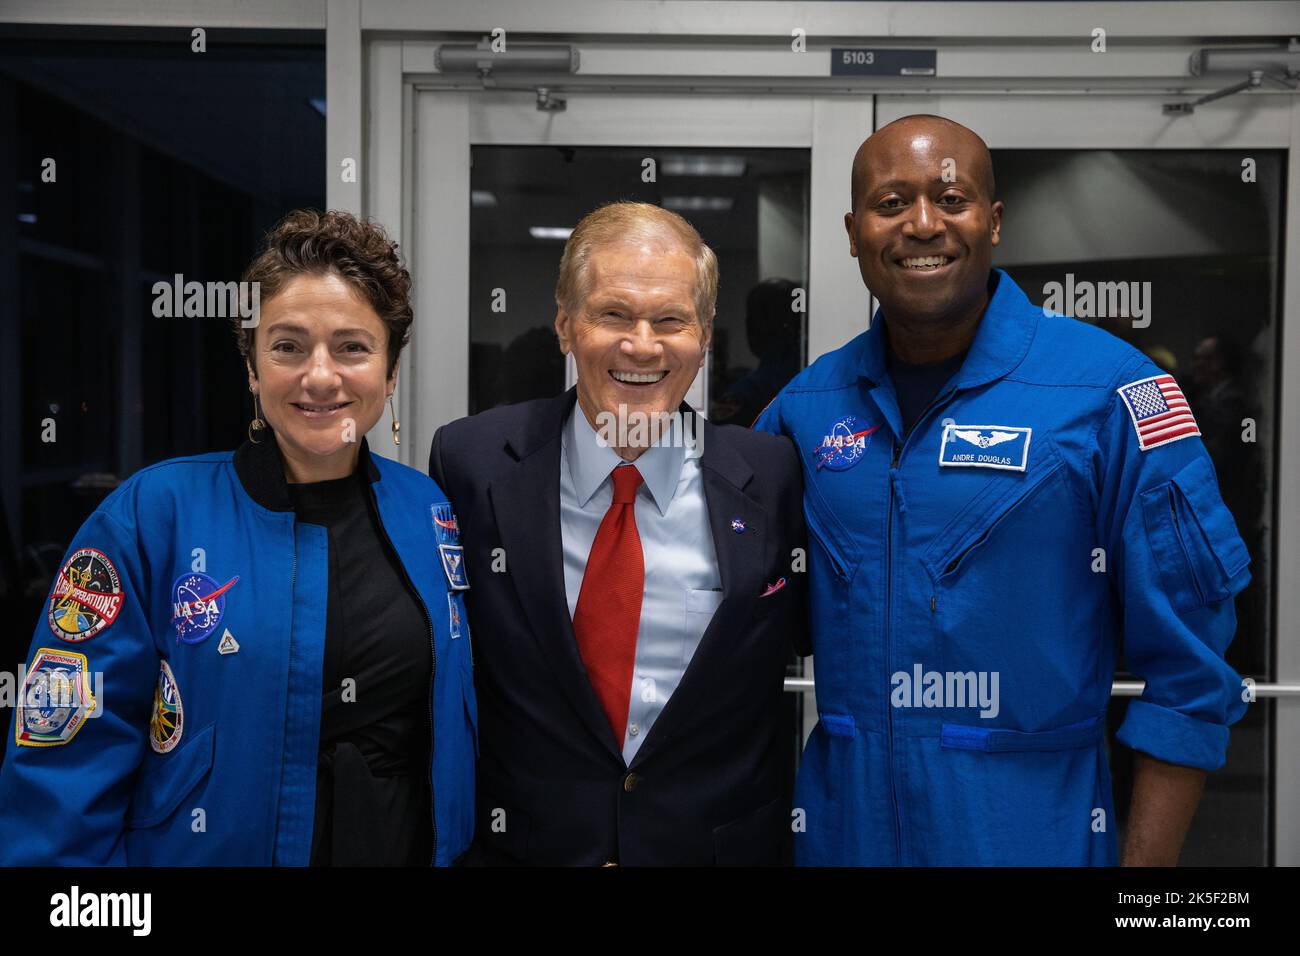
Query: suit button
[(630, 782)]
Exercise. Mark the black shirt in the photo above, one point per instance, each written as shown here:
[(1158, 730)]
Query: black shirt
[(917, 385), (372, 787)]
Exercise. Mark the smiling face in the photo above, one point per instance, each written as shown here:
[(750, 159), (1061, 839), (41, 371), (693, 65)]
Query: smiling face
[(637, 338), (321, 359), (924, 245)]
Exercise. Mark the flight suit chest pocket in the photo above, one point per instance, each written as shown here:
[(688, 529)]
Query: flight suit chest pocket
[(827, 534), (960, 543), (1201, 558)]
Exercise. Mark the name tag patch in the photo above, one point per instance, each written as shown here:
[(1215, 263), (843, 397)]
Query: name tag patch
[(985, 446)]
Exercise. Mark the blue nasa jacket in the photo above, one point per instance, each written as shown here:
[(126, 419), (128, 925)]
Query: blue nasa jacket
[(972, 586), (198, 603)]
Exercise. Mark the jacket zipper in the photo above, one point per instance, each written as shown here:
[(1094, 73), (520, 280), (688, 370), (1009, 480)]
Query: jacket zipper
[(889, 654), (433, 672), (293, 586), (1178, 533), (889, 611)]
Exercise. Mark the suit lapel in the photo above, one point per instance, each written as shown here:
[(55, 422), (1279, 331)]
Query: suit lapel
[(742, 558), (530, 534)]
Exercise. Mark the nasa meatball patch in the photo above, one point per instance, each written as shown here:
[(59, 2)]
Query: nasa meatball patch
[(844, 444), (198, 605), (87, 596), (985, 446)]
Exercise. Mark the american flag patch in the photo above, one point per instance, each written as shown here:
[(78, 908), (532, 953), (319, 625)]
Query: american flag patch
[(1159, 411)]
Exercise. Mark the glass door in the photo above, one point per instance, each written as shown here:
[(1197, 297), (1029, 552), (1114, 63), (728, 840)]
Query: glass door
[(750, 206)]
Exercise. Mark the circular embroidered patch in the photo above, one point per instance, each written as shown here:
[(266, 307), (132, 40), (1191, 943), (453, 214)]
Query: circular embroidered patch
[(198, 604), (167, 722), (844, 445), (87, 596)]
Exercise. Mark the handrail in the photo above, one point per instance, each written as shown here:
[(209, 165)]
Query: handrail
[(1119, 688)]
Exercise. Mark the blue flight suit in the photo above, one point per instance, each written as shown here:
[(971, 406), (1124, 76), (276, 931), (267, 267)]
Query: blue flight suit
[(197, 588), (973, 583)]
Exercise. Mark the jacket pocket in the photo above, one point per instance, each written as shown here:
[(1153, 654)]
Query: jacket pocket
[(1084, 733), (944, 558), (1201, 558), (166, 779), (754, 839)]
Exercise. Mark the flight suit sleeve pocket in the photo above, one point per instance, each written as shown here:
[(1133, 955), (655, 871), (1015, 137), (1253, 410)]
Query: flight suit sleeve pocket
[(166, 779), (1201, 559)]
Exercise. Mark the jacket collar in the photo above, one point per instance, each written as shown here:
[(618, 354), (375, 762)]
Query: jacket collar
[(1001, 341), (260, 468)]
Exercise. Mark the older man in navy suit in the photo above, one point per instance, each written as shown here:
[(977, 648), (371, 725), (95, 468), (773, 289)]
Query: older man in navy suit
[(635, 580)]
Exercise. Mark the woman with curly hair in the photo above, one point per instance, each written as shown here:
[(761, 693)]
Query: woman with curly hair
[(261, 657)]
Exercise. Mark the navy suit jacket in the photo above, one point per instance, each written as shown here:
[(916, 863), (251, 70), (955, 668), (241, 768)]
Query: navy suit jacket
[(710, 783)]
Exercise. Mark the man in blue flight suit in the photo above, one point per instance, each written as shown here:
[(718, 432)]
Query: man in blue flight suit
[(1001, 503)]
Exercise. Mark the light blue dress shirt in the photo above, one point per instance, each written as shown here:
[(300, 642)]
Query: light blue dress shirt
[(682, 584)]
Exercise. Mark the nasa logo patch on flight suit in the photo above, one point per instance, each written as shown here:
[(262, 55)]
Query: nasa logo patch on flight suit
[(167, 721), (844, 445), (198, 604), (55, 700), (985, 446), (87, 596)]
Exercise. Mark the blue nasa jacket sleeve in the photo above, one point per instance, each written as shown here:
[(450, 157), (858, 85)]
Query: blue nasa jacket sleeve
[(1178, 562), (66, 785)]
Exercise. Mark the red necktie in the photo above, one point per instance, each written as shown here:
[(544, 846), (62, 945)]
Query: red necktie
[(609, 603)]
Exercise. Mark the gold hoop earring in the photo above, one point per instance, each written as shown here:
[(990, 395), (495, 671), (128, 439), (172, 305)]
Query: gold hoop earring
[(258, 424), (397, 426)]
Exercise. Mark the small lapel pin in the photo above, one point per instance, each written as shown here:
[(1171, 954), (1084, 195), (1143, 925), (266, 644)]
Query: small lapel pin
[(773, 588), (737, 526), (228, 644)]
